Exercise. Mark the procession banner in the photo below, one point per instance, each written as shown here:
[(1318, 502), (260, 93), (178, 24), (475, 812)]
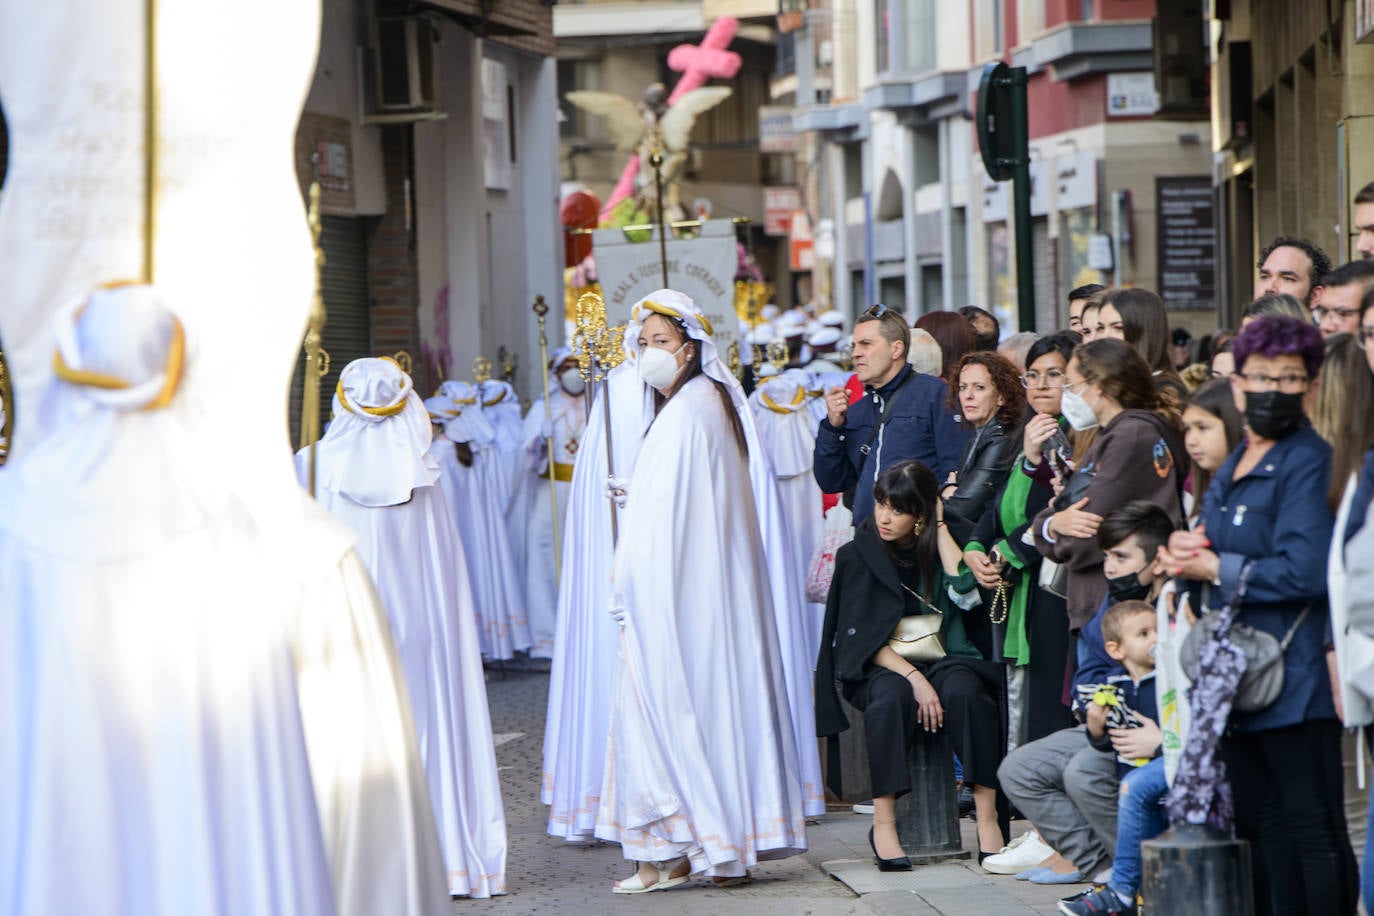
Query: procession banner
[(702, 267)]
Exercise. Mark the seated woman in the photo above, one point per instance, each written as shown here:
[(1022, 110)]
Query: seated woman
[(897, 566)]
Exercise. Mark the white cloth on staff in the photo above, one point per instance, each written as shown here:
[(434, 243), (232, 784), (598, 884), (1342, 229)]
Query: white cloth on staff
[(478, 496), (566, 423), (702, 755), (407, 541), (787, 431), (150, 724), (585, 647)]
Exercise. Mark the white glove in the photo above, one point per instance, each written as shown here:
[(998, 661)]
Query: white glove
[(617, 490), (618, 612), (546, 430)]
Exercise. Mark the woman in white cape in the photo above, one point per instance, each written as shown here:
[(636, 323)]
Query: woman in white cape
[(477, 491), (701, 764), (374, 473)]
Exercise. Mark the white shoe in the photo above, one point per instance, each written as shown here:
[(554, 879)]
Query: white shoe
[(1018, 855), (863, 808), (635, 885)]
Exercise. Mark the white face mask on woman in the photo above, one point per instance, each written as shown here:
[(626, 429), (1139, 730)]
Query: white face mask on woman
[(657, 368), (572, 381), (1077, 411)]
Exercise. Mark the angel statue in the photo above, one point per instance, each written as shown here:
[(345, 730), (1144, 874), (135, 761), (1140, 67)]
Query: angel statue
[(653, 126)]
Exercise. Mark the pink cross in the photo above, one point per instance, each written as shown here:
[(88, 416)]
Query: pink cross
[(697, 64)]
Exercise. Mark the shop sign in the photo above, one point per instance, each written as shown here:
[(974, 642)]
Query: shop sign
[(1131, 94), (778, 206), (1185, 241)]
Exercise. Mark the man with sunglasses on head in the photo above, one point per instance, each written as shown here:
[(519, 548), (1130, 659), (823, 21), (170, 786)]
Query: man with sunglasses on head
[(901, 415)]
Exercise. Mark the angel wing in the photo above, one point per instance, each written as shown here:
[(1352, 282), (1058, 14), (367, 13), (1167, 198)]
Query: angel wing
[(676, 124), (623, 118)]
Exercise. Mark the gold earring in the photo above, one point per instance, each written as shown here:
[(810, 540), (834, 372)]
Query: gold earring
[(918, 527)]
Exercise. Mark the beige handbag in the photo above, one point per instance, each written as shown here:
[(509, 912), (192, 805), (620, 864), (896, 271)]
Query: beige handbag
[(917, 638)]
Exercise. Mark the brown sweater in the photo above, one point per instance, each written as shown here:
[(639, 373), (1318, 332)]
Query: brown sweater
[(1136, 456)]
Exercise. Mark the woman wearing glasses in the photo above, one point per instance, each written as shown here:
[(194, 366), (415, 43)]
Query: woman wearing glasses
[(1262, 543), (1137, 453), (1036, 627)]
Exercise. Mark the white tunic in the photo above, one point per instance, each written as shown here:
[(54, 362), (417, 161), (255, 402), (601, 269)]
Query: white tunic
[(569, 420), (415, 558), (477, 498), (787, 432), (584, 659), (702, 757)]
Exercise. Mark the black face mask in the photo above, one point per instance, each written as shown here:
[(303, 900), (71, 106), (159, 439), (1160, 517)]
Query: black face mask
[(1127, 588), (1273, 414)]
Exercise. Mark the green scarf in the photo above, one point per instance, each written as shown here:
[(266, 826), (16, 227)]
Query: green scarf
[(1012, 512)]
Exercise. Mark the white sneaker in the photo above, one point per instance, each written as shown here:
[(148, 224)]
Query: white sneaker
[(864, 808), (1018, 855)]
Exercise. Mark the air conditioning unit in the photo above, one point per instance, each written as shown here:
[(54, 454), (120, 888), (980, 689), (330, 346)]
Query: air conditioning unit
[(403, 69)]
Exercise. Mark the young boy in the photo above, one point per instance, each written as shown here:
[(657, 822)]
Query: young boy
[(1129, 634), (1061, 784)]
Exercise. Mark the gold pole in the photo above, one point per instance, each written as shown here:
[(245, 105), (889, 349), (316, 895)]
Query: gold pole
[(150, 104), (541, 309), (316, 357), (656, 160)]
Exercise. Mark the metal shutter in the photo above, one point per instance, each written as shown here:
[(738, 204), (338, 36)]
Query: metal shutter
[(347, 325)]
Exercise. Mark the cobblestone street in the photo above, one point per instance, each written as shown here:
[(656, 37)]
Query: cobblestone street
[(548, 875)]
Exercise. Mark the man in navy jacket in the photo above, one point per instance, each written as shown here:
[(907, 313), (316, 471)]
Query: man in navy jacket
[(849, 450)]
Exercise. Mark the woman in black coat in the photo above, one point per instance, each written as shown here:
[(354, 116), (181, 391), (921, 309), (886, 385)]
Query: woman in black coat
[(991, 399), (899, 565)]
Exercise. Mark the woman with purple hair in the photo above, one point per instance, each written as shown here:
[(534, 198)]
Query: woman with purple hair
[(1259, 553)]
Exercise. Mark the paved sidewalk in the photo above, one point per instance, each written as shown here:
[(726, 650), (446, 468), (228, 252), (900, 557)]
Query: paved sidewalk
[(550, 876)]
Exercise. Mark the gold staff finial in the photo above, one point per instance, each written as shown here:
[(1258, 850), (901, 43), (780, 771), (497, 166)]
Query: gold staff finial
[(481, 370)]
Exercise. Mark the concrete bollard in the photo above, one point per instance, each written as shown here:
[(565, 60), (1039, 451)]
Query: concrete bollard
[(928, 816), (1196, 871)]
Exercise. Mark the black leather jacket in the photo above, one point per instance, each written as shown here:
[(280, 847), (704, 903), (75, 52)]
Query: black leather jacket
[(983, 472)]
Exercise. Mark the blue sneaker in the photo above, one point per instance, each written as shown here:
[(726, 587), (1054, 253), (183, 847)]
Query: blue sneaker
[(1048, 876), (1101, 902)]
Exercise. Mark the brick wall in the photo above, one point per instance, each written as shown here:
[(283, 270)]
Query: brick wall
[(392, 271)]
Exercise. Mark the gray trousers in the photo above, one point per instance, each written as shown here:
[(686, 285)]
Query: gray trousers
[(1068, 790)]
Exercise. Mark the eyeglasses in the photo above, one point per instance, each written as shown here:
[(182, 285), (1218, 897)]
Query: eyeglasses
[(1052, 379), (1070, 386), (1321, 313), (1261, 382), (1365, 335)]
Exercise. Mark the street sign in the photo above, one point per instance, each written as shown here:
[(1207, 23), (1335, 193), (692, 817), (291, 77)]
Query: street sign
[(994, 123)]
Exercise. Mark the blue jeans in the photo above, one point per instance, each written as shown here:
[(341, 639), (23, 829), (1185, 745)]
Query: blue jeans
[(1367, 875), (1139, 817)]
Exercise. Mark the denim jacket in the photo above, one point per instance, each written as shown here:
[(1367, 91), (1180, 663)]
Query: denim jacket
[(1276, 518)]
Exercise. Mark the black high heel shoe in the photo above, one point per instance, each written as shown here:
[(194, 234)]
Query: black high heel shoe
[(901, 863)]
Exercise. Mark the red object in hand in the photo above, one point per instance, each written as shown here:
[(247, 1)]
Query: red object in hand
[(578, 211)]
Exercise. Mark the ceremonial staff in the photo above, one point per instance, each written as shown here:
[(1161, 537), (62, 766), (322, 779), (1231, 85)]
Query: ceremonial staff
[(541, 309), (598, 350)]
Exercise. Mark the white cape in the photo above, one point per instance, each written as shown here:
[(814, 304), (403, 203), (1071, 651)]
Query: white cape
[(476, 498), (787, 432), (541, 581), (584, 659), (415, 558), (701, 758)]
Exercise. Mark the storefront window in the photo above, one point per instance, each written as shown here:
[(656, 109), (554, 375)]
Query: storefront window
[(1076, 228)]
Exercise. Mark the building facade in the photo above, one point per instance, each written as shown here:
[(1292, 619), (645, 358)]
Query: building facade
[(885, 92)]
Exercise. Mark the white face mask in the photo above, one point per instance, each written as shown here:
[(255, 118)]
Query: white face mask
[(657, 368), (572, 381), (1077, 411)]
